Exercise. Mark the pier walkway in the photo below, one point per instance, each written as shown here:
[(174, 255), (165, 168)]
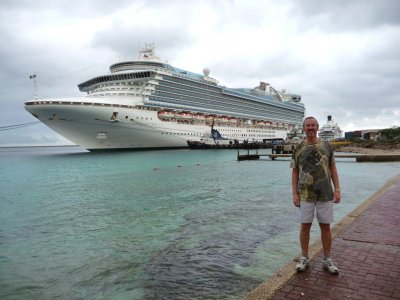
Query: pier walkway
[(366, 248)]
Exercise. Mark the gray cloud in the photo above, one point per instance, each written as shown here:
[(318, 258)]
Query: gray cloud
[(341, 56), (343, 15), (67, 8), (126, 40)]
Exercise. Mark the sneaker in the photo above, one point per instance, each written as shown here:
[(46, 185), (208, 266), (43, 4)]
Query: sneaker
[(303, 264), (329, 266)]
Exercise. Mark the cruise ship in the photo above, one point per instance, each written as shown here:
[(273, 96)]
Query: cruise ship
[(330, 131), (149, 104)]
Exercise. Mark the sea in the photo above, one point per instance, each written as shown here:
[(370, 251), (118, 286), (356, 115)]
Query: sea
[(173, 224)]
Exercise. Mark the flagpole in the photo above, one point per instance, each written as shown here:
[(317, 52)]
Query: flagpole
[(34, 85)]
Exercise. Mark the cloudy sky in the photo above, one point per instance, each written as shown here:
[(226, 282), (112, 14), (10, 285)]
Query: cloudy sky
[(342, 56)]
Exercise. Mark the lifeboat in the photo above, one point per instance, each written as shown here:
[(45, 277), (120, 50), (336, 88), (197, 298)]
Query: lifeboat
[(166, 114), (223, 119), (200, 117), (232, 120), (260, 123), (209, 119), (185, 115)]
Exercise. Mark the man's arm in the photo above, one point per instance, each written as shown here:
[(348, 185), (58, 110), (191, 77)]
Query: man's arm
[(295, 179), (335, 180)]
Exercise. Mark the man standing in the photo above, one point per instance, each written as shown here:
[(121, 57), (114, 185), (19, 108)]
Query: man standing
[(313, 172)]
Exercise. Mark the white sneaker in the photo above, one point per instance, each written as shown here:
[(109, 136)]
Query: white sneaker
[(303, 264), (329, 266)]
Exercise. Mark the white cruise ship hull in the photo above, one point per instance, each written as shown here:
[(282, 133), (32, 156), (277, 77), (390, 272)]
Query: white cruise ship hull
[(101, 126)]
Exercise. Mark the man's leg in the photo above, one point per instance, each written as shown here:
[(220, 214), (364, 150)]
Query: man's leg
[(306, 216), (326, 238), (305, 238)]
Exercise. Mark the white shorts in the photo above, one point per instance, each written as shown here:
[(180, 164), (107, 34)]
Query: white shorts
[(324, 212)]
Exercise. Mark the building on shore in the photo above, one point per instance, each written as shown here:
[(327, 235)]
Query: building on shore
[(366, 134)]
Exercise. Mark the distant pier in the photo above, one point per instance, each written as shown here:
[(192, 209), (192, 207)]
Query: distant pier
[(359, 157)]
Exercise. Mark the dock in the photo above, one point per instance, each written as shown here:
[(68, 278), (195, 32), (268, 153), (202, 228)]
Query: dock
[(366, 248), (358, 157)]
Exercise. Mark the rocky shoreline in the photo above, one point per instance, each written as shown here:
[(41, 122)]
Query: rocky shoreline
[(372, 147)]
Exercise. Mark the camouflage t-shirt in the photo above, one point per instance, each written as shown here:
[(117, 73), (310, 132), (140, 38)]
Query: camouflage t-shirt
[(313, 162)]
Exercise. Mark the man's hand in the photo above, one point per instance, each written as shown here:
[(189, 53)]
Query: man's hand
[(336, 196), (296, 200)]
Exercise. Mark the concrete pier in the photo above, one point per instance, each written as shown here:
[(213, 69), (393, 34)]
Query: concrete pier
[(366, 248)]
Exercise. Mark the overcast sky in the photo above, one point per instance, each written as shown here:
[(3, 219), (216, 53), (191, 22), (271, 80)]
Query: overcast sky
[(342, 56)]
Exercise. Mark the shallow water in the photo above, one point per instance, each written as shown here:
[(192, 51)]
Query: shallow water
[(176, 224)]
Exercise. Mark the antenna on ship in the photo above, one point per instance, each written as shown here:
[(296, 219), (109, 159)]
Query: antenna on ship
[(33, 76)]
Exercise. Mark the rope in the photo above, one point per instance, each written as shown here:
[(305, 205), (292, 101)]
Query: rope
[(17, 126)]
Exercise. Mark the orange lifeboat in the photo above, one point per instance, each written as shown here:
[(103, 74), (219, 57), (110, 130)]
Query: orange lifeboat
[(209, 119), (260, 123), (166, 114), (223, 119), (200, 117), (185, 115), (232, 120)]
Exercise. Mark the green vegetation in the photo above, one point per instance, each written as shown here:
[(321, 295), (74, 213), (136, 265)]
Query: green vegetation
[(391, 133)]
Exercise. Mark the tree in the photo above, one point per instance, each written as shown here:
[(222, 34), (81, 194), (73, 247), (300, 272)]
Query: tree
[(391, 133)]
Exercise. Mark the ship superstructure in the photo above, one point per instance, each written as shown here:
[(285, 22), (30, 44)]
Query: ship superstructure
[(147, 103)]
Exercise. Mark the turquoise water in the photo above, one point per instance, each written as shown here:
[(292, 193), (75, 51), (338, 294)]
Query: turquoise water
[(177, 224)]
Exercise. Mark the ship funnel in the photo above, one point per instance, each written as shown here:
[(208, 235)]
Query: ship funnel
[(329, 118)]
